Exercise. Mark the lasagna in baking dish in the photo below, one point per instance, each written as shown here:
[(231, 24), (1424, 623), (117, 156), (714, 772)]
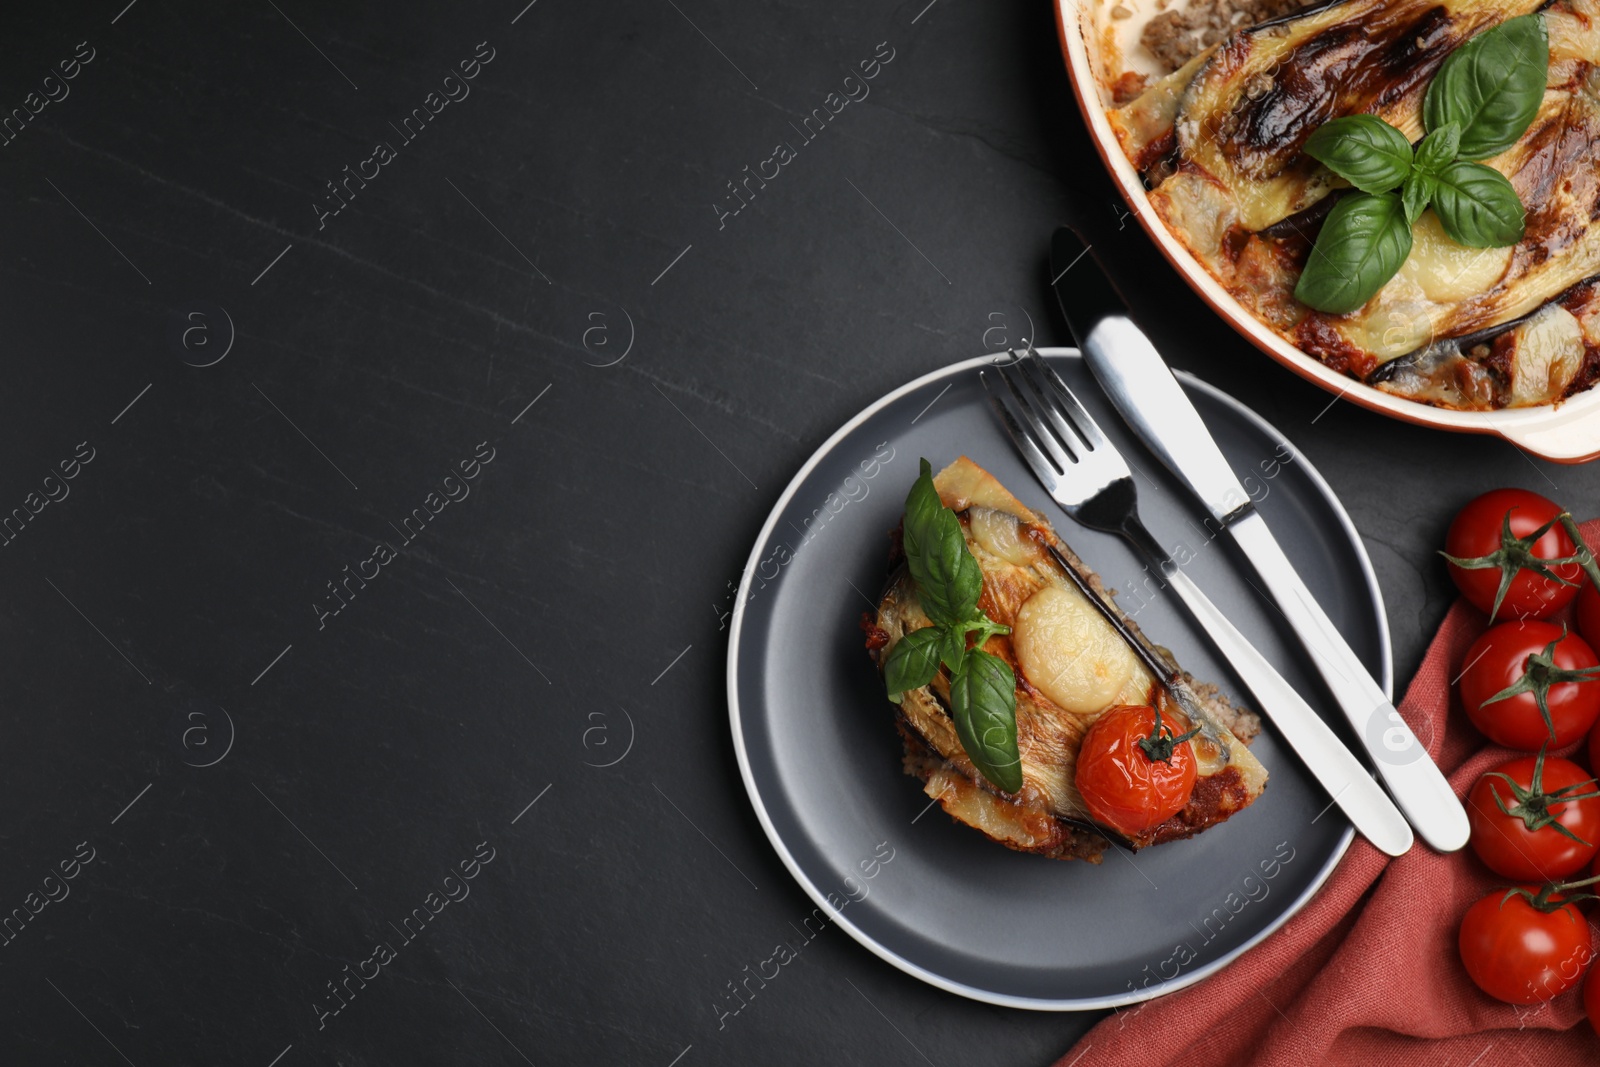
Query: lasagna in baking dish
[(1220, 136)]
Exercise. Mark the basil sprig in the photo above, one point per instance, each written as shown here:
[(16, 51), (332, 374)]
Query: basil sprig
[(1435, 153), (983, 697), (1483, 99), (983, 688), (947, 576)]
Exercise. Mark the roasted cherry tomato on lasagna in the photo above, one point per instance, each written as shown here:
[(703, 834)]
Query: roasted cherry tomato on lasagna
[(1135, 771)]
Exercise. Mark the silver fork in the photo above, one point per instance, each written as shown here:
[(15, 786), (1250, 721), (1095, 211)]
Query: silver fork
[(1089, 478)]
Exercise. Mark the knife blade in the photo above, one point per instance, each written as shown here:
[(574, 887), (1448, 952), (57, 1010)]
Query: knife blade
[(1144, 391)]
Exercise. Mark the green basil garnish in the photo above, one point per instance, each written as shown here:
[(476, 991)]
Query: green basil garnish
[(1418, 191), (913, 661), (1362, 244), (1479, 104), (1437, 149), (1433, 155), (953, 647), (947, 576), (983, 694), (1364, 150), (1478, 207), (1491, 86)]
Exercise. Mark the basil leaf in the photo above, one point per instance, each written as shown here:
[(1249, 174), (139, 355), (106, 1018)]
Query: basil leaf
[(1433, 155), (1416, 194), (983, 698), (1364, 150), (1362, 244), (954, 648), (1491, 86), (913, 661), (922, 505), (948, 579), (1478, 207), (1438, 149)]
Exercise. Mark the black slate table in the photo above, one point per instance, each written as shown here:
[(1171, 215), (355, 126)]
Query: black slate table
[(391, 396)]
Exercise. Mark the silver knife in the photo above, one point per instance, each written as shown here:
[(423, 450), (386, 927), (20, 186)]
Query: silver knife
[(1143, 389)]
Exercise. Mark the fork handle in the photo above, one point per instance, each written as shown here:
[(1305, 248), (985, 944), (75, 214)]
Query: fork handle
[(1345, 778)]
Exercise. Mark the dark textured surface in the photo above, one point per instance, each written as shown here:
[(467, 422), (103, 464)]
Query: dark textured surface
[(491, 661)]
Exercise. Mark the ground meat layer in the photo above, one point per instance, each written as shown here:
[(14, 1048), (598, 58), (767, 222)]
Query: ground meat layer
[(1177, 36)]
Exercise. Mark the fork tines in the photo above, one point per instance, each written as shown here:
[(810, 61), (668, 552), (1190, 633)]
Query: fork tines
[(1081, 420), (1047, 423)]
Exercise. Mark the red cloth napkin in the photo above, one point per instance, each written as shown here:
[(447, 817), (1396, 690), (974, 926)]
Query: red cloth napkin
[(1368, 972)]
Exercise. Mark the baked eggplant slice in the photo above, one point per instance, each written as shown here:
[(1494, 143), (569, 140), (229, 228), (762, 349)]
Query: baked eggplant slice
[(1538, 359), (1072, 663), (1145, 125)]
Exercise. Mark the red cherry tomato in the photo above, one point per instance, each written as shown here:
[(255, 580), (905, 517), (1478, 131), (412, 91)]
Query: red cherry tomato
[(1526, 842), (1589, 613), (1514, 655), (1121, 784), (1517, 953), (1485, 560)]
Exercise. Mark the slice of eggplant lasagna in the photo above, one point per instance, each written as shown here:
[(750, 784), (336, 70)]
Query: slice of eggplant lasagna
[(1071, 666)]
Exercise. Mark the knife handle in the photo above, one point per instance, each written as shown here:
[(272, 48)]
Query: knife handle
[(1418, 786), (1345, 777)]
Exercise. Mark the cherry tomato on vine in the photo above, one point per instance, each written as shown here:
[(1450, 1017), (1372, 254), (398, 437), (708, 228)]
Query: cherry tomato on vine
[(1529, 683), (1535, 819), (1133, 772), (1524, 945), (1510, 556)]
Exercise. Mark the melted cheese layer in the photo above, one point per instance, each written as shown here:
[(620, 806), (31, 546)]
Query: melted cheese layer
[(1069, 652)]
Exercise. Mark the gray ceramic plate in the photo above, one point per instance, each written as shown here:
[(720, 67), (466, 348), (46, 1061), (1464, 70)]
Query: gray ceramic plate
[(821, 759)]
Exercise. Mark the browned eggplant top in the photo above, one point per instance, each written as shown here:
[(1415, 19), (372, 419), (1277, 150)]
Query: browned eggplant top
[(1359, 57), (1341, 71)]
